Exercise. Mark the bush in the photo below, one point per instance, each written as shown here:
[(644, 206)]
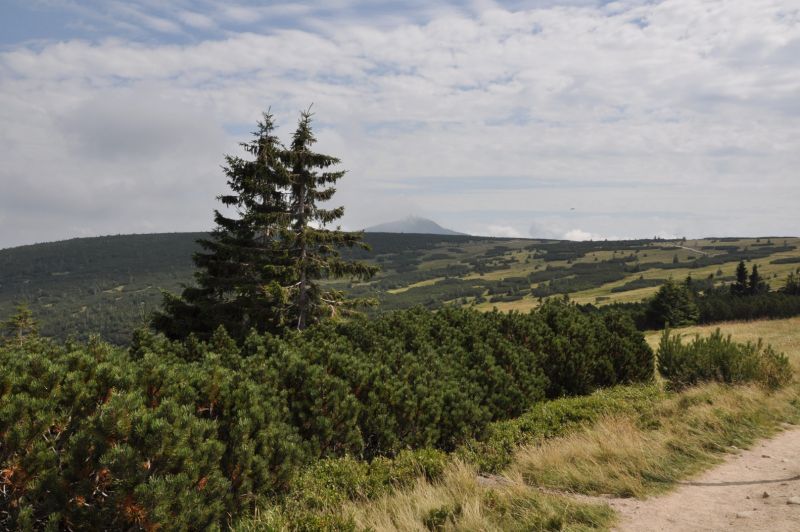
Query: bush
[(672, 306), (183, 435), (330, 482), (718, 358), (583, 352), (100, 437)]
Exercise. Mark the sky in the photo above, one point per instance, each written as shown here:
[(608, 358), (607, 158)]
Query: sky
[(578, 119)]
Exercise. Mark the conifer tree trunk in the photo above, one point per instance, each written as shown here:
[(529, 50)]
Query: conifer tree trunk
[(302, 298)]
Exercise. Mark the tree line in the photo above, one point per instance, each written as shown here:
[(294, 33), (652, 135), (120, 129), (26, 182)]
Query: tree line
[(678, 304)]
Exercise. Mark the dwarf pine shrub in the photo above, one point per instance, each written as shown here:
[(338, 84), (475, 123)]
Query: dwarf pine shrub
[(184, 435), (719, 358)]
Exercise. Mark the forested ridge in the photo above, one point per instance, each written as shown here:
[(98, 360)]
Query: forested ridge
[(109, 285)]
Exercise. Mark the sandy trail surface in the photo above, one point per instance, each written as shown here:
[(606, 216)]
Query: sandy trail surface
[(755, 489)]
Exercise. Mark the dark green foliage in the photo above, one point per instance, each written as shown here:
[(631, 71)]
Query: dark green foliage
[(244, 266), (740, 287), (718, 358), (418, 378), (95, 435), (111, 284), (403, 279), (792, 286), (181, 435), (20, 326), (786, 260), (721, 306), (732, 255), (261, 271), (104, 284), (583, 352), (312, 249), (673, 306), (580, 276), (755, 283), (748, 284)]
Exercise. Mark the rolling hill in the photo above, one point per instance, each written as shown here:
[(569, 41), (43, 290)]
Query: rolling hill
[(110, 284)]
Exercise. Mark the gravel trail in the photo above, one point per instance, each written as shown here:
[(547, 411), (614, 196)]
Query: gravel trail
[(755, 489)]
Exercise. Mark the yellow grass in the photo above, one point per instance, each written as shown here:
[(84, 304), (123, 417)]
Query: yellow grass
[(520, 305), (426, 282), (463, 501), (627, 457)]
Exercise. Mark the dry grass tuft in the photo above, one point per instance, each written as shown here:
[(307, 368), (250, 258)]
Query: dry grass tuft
[(460, 502), (630, 457)]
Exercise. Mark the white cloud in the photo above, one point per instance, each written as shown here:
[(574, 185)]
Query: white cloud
[(578, 234), (683, 112), (503, 231)]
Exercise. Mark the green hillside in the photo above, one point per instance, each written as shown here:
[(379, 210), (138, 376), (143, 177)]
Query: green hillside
[(110, 284)]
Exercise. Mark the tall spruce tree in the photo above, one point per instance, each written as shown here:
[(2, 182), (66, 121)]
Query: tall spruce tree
[(314, 249), (262, 269), (740, 286), (756, 283), (245, 265)]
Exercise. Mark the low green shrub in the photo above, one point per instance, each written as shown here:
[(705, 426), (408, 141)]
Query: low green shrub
[(315, 498), (184, 434), (94, 436), (329, 482), (719, 358), (442, 518)]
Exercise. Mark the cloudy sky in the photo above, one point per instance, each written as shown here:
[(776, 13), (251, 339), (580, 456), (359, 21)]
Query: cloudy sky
[(572, 118)]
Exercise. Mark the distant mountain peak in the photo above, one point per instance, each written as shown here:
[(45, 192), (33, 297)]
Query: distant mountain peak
[(412, 224)]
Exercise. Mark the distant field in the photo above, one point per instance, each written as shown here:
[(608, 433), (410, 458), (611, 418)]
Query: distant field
[(111, 284)]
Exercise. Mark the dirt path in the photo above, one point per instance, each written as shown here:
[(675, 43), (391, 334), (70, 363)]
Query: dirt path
[(750, 491)]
